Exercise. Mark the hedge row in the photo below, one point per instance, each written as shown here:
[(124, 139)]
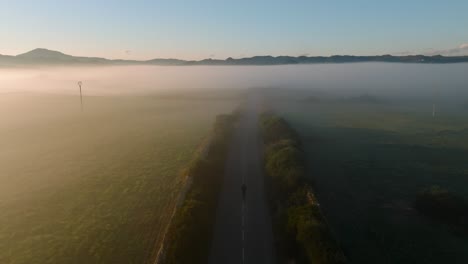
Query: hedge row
[(301, 232), (190, 233)]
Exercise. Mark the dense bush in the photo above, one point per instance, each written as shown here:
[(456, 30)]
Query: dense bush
[(301, 231), (189, 236), (283, 163), (306, 222), (275, 129)]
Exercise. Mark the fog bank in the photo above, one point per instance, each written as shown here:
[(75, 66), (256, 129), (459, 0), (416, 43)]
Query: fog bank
[(387, 79)]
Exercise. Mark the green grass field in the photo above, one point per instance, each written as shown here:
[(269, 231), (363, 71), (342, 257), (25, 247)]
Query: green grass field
[(368, 163), (93, 187)]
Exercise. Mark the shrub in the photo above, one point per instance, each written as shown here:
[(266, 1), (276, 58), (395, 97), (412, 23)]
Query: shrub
[(283, 164), (275, 129)]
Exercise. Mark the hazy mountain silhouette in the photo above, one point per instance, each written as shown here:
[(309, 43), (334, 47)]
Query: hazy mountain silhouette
[(50, 57), (367, 99), (165, 62), (44, 54)]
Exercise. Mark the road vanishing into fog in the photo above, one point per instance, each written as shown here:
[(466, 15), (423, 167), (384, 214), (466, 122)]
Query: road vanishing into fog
[(243, 232)]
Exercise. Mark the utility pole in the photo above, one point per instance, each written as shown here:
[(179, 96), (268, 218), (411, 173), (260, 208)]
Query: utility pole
[(81, 96)]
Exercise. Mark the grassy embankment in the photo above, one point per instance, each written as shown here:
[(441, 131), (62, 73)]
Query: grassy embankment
[(189, 236), (301, 231)]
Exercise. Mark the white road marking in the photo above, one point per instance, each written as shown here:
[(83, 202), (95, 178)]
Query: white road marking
[(243, 233), (243, 172)]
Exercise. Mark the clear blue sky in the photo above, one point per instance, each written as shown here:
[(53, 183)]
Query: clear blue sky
[(237, 28)]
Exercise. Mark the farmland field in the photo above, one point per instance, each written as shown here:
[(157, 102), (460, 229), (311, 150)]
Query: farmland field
[(368, 161), (93, 186)]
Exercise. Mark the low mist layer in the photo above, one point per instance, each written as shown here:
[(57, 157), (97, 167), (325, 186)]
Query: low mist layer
[(380, 79)]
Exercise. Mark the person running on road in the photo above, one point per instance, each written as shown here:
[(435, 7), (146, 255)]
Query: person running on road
[(244, 190)]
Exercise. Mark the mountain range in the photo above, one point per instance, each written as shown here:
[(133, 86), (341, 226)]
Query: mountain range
[(50, 57)]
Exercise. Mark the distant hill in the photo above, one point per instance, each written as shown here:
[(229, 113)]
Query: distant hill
[(360, 99), (50, 57), (366, 99), (44, 54), (165, 62)]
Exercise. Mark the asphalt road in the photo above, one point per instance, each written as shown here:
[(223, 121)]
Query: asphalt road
[(242, 232)]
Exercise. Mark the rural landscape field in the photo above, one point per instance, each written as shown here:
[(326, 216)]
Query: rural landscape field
[(99, 184), (93, 186), (369, 158), (233, 132)]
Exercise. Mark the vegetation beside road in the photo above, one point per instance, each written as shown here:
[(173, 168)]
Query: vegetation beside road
[(301, 231), (369, 164), (445, 207), (189, 236), (97, 186)]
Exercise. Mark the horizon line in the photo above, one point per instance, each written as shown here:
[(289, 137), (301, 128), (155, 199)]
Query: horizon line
[(237, 58)]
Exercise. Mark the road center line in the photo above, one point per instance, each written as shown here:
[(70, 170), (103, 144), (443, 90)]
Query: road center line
[(243, 232)]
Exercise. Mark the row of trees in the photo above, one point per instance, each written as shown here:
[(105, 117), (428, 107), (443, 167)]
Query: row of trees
[(301, 232)]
